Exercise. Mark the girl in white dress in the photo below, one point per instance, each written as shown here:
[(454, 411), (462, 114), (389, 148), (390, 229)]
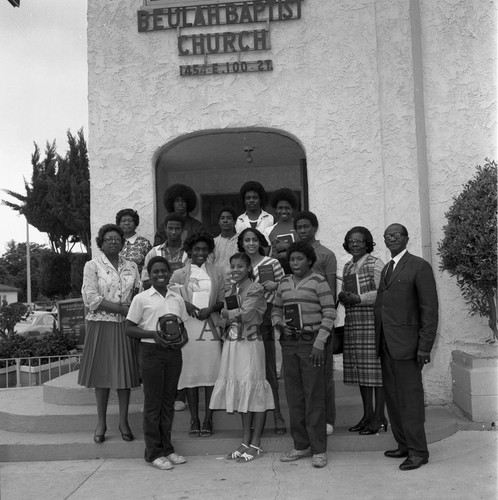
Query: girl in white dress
[(202, 286)]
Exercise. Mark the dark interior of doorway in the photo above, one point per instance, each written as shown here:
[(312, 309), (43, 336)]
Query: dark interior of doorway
[(213, 203)]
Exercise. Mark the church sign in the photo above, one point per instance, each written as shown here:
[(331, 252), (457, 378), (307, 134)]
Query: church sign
[(154, 16)]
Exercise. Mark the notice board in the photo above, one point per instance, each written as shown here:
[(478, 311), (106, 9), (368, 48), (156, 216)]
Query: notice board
[(72, 319)]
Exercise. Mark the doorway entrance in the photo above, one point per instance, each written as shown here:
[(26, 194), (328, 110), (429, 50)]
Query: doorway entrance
[(216, 163)]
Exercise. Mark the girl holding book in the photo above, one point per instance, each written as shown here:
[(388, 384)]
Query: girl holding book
[(241, 385), (309, 297), (268, 272)]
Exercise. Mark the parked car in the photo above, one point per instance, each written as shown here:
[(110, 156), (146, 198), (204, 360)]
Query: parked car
[(37, 324)]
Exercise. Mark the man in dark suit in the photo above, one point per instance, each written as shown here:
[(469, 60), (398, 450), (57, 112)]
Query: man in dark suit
[(406, 318)]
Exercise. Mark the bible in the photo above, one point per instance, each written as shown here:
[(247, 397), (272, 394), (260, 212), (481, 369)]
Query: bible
[(293, 316), (172, 331), (266, 273), (351, 283), (286, 238), (232, 302)]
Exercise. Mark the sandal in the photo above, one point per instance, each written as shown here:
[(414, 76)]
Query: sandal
[(207, 428), (248, 457), (236, 454), (195, 427)]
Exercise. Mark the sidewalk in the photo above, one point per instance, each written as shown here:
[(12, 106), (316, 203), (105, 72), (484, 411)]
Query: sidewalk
[(462, 466)]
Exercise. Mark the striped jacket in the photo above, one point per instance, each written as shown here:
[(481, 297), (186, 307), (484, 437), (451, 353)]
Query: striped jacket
[(317, 308)]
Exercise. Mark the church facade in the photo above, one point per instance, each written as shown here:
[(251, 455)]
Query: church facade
[(373, 111)]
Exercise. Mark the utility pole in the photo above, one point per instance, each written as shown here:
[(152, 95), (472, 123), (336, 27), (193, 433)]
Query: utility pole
[(28, 264)]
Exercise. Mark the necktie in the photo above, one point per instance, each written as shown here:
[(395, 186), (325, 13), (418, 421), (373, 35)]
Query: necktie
[(389, 271)]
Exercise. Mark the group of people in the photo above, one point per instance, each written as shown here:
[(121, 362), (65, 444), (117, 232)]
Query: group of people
[(259, 281)]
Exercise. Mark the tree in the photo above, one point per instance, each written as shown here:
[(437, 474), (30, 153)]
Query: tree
[(54, 280), (10, 315), (57, 201), (71, 199), (13, 266), (468, 249)]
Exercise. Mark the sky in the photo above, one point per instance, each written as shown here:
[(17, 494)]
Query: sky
[(43, 93)]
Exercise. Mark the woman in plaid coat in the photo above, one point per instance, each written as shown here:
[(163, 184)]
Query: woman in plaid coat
[(361, 278)]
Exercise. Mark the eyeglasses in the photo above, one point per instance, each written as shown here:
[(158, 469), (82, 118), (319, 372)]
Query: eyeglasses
[(357, 242), (393, 236), (117, 239)]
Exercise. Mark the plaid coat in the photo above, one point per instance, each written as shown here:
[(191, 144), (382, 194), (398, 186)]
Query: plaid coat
[(361, 364)]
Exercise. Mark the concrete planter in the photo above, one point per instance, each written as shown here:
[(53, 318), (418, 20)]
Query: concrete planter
[(24, 376), (475, 385), (37, 375), (8, 377)]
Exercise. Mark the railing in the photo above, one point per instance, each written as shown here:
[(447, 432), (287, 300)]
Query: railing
[(28, 372)]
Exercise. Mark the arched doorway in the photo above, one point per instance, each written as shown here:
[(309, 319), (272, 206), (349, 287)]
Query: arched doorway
[(215, 163)]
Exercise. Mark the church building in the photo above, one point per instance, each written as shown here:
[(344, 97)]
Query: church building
[(372, 111)]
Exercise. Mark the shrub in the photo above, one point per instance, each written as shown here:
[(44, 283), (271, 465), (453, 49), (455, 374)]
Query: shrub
[(468, 249), (53, 344), (10, 315)]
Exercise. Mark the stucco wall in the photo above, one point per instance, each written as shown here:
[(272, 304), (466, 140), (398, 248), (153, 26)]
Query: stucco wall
[(343, 87), (323, 91), (459, 48)]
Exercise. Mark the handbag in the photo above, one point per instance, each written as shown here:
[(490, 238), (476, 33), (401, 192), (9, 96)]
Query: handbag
[(338, 340), (172, 332)]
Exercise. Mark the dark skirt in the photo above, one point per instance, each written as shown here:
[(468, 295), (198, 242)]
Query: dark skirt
[(110, 358)]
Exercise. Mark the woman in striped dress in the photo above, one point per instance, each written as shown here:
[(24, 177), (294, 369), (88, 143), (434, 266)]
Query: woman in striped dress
[(268, 272), (361, 278)]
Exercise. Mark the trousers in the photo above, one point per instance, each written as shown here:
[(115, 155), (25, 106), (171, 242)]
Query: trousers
[(161, 369), (305, 391), (404, 392)]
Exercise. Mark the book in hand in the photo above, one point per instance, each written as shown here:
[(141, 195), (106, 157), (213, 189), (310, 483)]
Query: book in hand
[(351, 284), (293, 316), (232, 302), (168, 325), (266, 273), (286, 238), (171, 331)]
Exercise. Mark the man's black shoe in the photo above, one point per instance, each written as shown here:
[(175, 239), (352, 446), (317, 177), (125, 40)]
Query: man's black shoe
[(413, 462), (396, 453)]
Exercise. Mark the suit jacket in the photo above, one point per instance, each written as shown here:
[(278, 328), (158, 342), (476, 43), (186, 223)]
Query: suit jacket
[(406, 308)]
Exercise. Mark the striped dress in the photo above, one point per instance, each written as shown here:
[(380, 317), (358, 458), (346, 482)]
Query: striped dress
[(361, 364)]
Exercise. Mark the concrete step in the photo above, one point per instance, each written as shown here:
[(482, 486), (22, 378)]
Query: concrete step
[(57, 421), (54, 408), (65, 391), (28, 446), (24, 410)]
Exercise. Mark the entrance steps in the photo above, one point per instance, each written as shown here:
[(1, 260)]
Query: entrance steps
[(56, 421)]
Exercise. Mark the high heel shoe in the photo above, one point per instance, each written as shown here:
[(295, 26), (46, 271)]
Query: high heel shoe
[(126, 437), (360, 426), (99, 438), (374, 428)]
